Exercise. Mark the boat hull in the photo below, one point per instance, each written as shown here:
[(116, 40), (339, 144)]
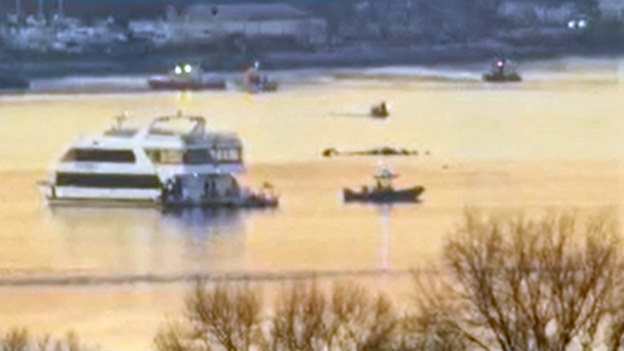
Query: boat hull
[(250, 202), (270, 86), (384, 196), (164, 84), (502, 78), (99, 203), (57, 196)]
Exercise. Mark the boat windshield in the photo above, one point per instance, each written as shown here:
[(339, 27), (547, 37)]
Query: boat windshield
[(195, 156)]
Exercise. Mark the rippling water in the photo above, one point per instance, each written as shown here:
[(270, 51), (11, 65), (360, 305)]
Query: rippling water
[(552, 141)]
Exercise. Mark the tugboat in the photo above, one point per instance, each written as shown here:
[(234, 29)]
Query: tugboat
[(157, 166), (502, 71), (254, 82), (380, 111), (186, 76), (383, 192)]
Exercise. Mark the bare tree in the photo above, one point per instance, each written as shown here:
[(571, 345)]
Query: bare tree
[(350, 319), (16, 339), (225, 316), (429, 330), (304, 318), (43, 342), (19, 339), (361, 321), (72, 342), (173, 337), (298, 322), (521, 284)]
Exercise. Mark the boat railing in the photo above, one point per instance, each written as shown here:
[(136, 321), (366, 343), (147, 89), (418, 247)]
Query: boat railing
[(199, 127), (119, 128)]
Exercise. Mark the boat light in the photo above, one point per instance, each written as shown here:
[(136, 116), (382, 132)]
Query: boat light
[(187, 68), (582, 24), (500, 63), (571, 24), (178, 70)]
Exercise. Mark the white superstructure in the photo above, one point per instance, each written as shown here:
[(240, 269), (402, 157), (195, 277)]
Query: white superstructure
[(155, 165)]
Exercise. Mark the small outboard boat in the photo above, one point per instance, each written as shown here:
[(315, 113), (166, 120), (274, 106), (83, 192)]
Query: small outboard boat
[(383, 192), (264, 198), (502, 71), (185, 76), (380, 111), (255, 82)]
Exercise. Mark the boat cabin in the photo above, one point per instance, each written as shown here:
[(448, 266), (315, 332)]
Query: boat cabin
[(502, 65), (186, 71), (161, 144)]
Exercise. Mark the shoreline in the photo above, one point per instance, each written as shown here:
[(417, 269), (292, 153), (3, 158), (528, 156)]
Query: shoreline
[(42, 67)]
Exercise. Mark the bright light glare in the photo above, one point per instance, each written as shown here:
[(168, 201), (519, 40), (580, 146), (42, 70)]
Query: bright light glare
[(571, 24), (187, 68), (178, 70), (582, 24)]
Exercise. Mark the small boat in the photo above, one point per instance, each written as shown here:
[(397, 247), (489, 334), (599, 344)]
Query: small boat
[(502, 71), (380, 111), (383, 192), (185, 76), (255, 82)]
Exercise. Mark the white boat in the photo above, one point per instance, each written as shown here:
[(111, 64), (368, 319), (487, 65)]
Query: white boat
[(155, 166)]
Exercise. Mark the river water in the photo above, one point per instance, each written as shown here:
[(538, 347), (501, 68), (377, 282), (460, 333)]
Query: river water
[(554, 141)]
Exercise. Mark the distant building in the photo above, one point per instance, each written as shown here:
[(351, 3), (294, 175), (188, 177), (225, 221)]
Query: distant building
[(246, 22), (611, 9), (527, 12)]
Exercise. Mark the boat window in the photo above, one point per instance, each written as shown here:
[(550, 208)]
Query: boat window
[(227, 155), (153, 155), (119, 181), (165, 156), (214, 154), (171, 156), (194, 156), (234, 154), (197, 156), (100, 155)]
